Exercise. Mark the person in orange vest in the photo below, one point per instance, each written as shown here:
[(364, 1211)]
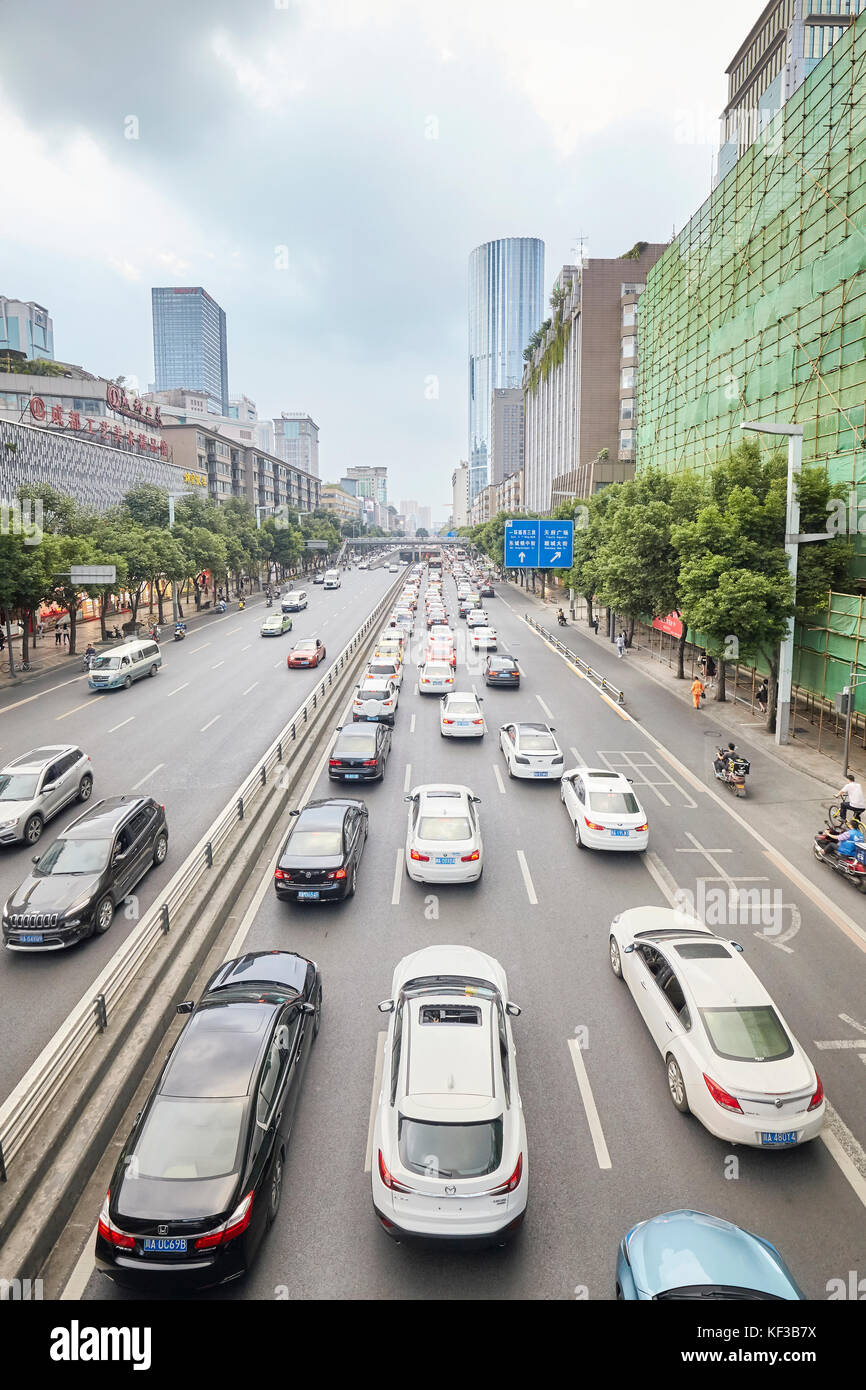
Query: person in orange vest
[(698, 691)]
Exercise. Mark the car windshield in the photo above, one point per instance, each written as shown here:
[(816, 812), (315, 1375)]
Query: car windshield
[(373, 690), (105, 663), (305, 647), (316, 842), (18, 786), (747, 1034), (537, 743), (74, 857), (501, 663), (722, 1292), (450, 1151), (191, 1139), (613, 803), (444, 828)]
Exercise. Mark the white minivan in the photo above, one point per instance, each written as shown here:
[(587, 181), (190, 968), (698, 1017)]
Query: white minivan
[(294, 601), (332, 579), (127, 663)]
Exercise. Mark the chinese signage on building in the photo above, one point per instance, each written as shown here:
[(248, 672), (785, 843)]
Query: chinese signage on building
[(101, 430), (198, 479), (134, 409)]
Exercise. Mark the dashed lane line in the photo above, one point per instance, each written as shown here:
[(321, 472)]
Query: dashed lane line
[(176, 690), (76, 708), (547, 710), (499, 782), (204, 728), (398, 879), (527, 878), (407, 778), (249, 688), (122, 724), (147, 776), (592, 1116)]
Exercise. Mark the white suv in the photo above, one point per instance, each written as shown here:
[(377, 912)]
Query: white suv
[(449, 1157)]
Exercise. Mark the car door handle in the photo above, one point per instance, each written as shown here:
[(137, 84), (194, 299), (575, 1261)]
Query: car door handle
[(668, 1026), (643, 984), (278, 1117)]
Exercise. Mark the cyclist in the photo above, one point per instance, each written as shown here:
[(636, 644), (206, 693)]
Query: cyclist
[(852, 798)]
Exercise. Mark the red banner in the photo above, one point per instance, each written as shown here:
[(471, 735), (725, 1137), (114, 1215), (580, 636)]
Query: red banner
[(669, 624)]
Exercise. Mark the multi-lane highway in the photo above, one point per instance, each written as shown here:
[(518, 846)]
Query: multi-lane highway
[(607, 1148)]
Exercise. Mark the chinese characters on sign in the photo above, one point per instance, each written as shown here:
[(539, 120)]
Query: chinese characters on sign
[(539, 543), (101, 430), (199, 479), (118, 401)]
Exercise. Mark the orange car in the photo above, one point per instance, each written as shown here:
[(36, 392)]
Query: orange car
[(307, 653)]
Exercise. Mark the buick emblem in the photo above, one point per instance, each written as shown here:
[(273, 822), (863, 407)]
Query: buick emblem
[(778, 1102), (162, 1230), (450, 1190), (309, 875)]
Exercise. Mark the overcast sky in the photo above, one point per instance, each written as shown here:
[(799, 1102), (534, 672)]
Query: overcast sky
[(324, 168)]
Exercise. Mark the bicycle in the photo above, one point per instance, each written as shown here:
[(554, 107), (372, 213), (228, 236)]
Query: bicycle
[(834, 815)]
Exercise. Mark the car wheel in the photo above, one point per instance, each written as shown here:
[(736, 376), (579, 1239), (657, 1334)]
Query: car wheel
[(317, 1017), (153, 670), (127, 683), (160, 849), (676, 1085), (33, 828), (102, 916), (275, 1190), (615, 959), (85, 787)]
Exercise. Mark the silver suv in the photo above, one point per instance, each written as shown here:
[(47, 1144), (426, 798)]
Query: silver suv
[(37, 785)]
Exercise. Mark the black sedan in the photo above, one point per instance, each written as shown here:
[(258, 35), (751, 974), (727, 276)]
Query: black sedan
[(319, 861), (199, 1180), (360, 753), (501, 670)]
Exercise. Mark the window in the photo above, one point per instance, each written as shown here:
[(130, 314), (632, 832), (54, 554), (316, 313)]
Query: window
[(503, 1054), (268, 1084), (626, 409), (626, 441), (626, 379), (395, 1050), (629, 347), (629, 316), (747, 1034)]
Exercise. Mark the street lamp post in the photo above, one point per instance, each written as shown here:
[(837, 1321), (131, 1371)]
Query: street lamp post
[(171, 497)]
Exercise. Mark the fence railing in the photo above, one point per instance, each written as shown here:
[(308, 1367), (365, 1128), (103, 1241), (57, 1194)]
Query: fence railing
[(22, 1110), (583, 666)]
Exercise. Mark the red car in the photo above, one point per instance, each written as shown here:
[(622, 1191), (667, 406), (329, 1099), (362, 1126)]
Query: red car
[(307, 653)]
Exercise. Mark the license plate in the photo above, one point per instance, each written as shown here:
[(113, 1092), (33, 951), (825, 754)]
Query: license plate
[(787, 1136), (33, 938), (619, 832), (463, 723), (539, 774), (445, 860), (161, 1245), (351, 776), (311, 897)]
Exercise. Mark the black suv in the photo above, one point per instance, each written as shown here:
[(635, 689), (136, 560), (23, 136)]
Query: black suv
[(78, 881)]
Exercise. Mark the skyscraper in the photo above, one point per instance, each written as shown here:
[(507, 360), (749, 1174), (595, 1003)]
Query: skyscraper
[(506, 305), (189, 343), (296, 439)]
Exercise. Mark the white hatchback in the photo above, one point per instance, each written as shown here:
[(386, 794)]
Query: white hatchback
[(531, 751), (460, 716), (443, 836), (604, 810), (435, 678), (450, 1161), (731, 1059)]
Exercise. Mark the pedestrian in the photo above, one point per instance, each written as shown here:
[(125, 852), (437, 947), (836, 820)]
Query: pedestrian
[(58, 635), (711, 670), (66, 636), (2, 641), (852, 797), (698, 691), (762, 695), (620, 643)]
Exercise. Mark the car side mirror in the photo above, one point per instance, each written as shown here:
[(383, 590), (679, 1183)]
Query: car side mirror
[(514, 1010), (308, 1008), (339, 729), (476, 800), (386, 1006), (186, 1007), (49, 786), (36, 858), (627, 950), (294, 813), (737, 947)]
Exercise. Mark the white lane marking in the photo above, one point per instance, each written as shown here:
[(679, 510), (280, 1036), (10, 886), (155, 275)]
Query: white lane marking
[(231, 630), (547, 710), (416, 687), (147, 776), (849, 1155), (199, 649), (249, 688), (412, 725), (589, 1105), (204, 728), (28, 699), (374, 1103), (218, 665), (406, 778), (177, 688), (661, 877), (499, 782), (247, 647), (576, 754), (277, 665), (527, 878), (76, 708), (84, 1267), (121, 724), (398, 878)]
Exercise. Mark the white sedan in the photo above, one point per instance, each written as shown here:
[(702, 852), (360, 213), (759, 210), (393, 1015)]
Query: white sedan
[(435, 678), (449, 1153), (603, 809), (376, 698), (531, 751), (731, 1059), (483, 639), (443, 837), (476, 617), (460, 716)]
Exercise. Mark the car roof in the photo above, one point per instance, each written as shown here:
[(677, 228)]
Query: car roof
[(719, 982), (602, 779), (102, 818), (284, 970), (450, 1060), (326, 815), (38, 758), (218, 1051), (358, 730)]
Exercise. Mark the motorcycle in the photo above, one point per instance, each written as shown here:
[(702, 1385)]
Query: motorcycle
[(87, 661), (734, 772), (270, 603), (562, 620), (179, 633), (241, 605), (851, 867)]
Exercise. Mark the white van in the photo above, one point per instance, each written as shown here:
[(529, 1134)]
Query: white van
[(294, 601), (123, 665), (332, 579)]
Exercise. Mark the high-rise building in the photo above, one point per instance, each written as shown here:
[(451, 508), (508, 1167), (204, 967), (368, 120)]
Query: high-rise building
[(296, 439), (189, 343), (26, 328), (506, 305), (787, 40), (425, 519), (506, 432), (460, 496), (370, 482)]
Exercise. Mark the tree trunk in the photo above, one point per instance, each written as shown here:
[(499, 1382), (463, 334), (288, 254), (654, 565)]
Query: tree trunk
[(103, 605), (721, 673), (25, 634), (73, 621), (630, 637), (772, 695), (681, 653)]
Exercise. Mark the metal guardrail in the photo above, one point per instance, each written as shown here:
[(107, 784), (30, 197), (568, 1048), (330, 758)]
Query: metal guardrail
[(601, 681), (22, 1110)]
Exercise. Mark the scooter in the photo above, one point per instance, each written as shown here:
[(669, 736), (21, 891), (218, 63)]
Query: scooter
[(562, 620), (87, 661), (179, 632), (733, 774), (270, 603), (852, 867), (241, 605), (221, 606)]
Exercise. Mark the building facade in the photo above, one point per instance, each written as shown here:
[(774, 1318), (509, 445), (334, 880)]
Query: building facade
[(460, 496), (367, 481), (216, 459), (506, 432), (783, 46), (345, 507), (506, 305), (27, 328), (77, 404), (97, 475), (579, 386), (296, 441), (189, 343)]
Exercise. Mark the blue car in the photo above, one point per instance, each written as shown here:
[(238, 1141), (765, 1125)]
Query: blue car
[(686, 1254)]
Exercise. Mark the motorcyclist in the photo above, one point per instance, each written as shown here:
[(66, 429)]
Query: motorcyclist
[(724, 756), (270, 602), (89, 654), (561, 618), (241, 604), (843, 841)]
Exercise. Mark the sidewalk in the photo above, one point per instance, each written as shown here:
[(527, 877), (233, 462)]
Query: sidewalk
[(802, 753)]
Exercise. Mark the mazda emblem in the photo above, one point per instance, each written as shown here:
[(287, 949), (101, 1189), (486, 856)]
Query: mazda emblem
[(450, 1190), (162, 1230)]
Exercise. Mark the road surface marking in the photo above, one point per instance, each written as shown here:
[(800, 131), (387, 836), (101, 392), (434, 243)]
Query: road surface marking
[(661, 877), (247, 647), (176, 690), (204, 728), (201, 648), (844, 1148), (547, 710), (28, 699), (589, 1105), (218, 665), (398, 879), (499, 782), (374, 1103), (412, 725), (121, 724), (249, 688), (277, 665), (231, 630), (76, 708), (576, 754), (406, 778), (527, 878), (147, 776)]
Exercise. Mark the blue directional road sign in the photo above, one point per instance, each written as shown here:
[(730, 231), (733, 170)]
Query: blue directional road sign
[(539, 543)]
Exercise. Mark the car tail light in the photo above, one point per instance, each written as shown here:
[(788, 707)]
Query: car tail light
[(333, 762), (337, 873), (591, 825), (424, 858), (645, 826), (470, 858), (280, 874), (818, 1096), (518, 759), (478, 721), (512, 1183), (447, 721), (370, 762), (109, 1231), (721, 1097), (388, 1180), (234, 1227)]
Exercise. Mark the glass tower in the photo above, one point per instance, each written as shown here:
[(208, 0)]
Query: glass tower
[(506, 305), (189, 343)]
